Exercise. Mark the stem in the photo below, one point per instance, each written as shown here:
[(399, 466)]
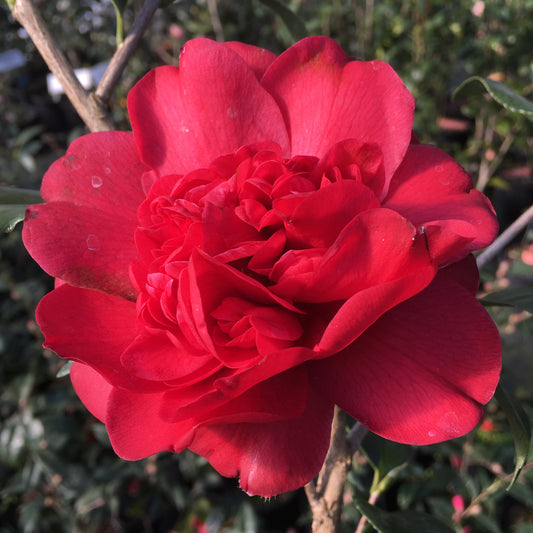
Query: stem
[(326, 497), (88, 108), (362, 523), (505, 238), (124, 51), (496, 485), (215, 19)]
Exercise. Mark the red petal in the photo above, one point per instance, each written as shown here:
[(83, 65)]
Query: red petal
[(153, 356), (325, 98), (270, 458), (365, 307), (136, 429), (464, 272), (431, 189), (92, 388), (85, 233), (376, 247), (319, 218), (90, 327), (258, 59), (206, 396), (278, 398), (183, 118), (420, 373)]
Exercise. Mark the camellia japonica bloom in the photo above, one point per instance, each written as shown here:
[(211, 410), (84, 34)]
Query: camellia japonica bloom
[(270, 241)]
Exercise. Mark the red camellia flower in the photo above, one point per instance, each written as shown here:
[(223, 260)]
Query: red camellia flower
[(268, 243)]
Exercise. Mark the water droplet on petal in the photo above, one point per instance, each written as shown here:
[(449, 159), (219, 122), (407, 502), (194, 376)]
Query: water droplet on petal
[(93, 243), (449, 423), (96, 182), (72, 162), (232, 112), (107, 170), (432, 433), (184, 129)]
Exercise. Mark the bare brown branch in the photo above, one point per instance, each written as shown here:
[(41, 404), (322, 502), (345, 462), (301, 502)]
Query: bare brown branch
[(326, 497), (123, 53), (505, 238), (89, 109)]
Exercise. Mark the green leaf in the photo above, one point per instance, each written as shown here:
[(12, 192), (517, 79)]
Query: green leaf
[(294, 23), (399, 521), (12, 195), (387, 459), (13, 203), (120, 6), (10, 216), (64, 370), (520, 428), (502, 94), (521, 297)]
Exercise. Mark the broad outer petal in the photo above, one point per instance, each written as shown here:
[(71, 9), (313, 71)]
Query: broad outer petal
[(84, 234), (420, 374), (270, 458), (92, 389), (183, 118), (258, 59), (136, 429), (431, 189), (325, 98), (93, 328)]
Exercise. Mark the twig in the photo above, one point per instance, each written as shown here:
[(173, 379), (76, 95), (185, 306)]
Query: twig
[(326, 497), (215, 20), (91, 111), (124, 51), (362, 523), (487, 169), (505, 238), (496, 485), (356, 435), (91, 107)]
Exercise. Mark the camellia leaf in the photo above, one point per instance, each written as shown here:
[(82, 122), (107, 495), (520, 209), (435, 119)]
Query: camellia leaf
[(387, 459), (13, 204), (399, 521), (502, 94), (521, 297), (120, 6), (291, 20), (10, 216), (12, 195), (64, 370), (520, 428)]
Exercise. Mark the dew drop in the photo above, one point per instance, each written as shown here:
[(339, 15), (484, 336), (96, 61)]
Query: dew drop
[(93, 243), (184, 129), (107, 170), (449, 422), (432, 433), (96, 182), (72, 162), (231, 112)]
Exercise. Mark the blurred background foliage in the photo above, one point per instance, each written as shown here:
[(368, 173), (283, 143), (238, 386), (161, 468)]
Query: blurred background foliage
[(57, 470)]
